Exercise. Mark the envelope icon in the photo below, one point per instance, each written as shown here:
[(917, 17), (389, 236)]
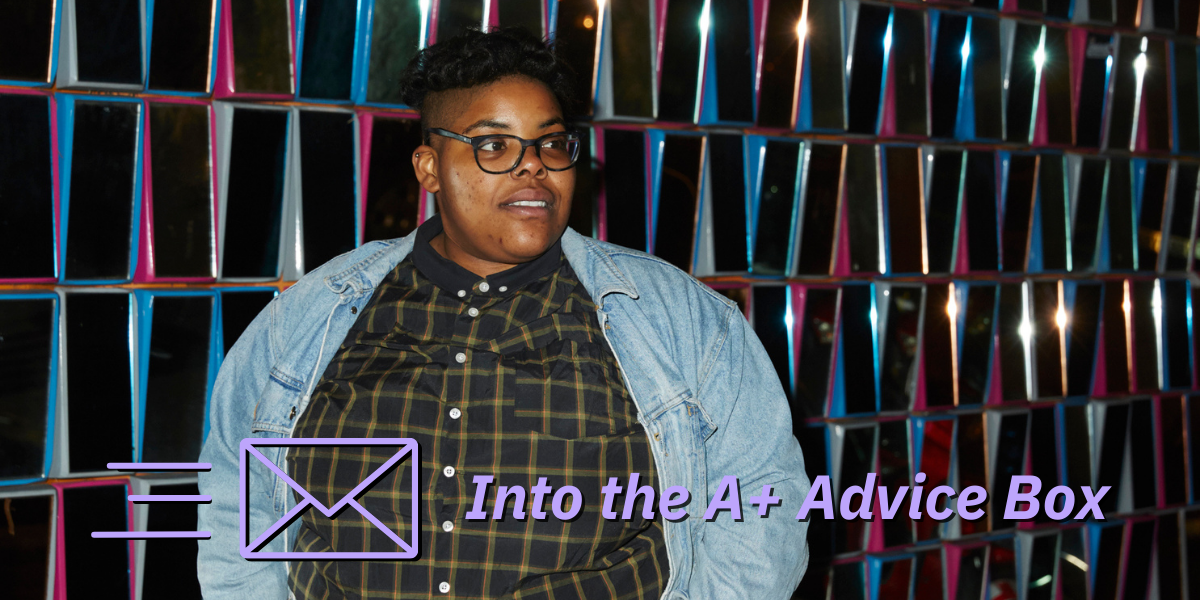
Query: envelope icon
[(406, 447)]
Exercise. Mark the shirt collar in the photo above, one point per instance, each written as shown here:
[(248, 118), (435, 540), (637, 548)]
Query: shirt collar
[(592, 261), (451, 277)]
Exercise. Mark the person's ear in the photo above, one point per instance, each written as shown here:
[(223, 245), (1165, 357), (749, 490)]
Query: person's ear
[(425, 163)]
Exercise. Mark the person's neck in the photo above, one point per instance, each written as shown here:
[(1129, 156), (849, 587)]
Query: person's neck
[(443, 245)]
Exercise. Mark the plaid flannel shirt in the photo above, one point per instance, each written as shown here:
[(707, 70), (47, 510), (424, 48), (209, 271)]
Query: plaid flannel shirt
[(508, 376)]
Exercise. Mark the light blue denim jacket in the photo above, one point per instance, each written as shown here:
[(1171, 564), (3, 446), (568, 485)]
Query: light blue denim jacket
[(706, 393)]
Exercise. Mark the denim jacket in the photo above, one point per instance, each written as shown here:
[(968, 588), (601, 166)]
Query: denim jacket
[(706, 393)]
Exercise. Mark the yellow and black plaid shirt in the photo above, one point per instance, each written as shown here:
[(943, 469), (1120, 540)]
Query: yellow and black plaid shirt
[(507, 376)]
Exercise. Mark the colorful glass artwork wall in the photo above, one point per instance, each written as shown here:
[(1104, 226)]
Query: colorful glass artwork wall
[(965, 233)]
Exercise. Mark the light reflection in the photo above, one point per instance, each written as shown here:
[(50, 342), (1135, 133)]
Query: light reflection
[(1039, 57), (952, 308), (887, 38), (588, 23), (1139, 64), (1076, 562), (1026, 330), (801, 29), (703, 17), (1156, 304), (1060, 318), (787, 317), (423, 5), (966, 49)]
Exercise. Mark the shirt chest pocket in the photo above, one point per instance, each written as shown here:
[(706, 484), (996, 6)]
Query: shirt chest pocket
[(278, 405), (567, 388)]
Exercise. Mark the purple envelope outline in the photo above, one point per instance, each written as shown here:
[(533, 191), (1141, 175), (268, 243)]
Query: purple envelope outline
[(407, 446)]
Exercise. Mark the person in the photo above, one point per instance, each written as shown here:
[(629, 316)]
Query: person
[(519, 354)]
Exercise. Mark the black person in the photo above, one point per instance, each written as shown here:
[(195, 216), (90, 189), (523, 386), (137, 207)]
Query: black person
[(510, 347)]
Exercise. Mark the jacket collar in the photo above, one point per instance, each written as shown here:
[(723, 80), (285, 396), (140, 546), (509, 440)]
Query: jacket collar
[(591, 260)]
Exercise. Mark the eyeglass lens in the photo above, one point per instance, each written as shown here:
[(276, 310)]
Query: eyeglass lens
[(500, 154)]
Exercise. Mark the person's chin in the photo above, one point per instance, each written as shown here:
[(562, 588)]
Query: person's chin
[(529, 245)]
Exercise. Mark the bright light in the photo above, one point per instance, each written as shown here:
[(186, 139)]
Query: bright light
[(1139, 64), (1039, 57), (801, 29), (1076, 561), (1126, 306), (1060, 318), (787, 318), (1026, 330), (952, 309), (704, 20), (887, 39), (874, 317), (588, 22), (966, 49), (1156, 305), (600, 4), (1145, 43), (1107, 65), (423, 5)]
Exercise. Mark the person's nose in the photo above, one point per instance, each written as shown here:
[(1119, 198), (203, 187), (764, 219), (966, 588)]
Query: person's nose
[(530, 165)]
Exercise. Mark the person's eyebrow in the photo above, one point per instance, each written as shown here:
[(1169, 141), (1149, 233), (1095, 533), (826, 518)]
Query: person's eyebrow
[(486, 123), (552, 122)]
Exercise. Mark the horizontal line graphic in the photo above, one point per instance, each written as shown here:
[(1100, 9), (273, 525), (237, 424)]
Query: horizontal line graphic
[(144, 535), (168, 498), (149, 466)]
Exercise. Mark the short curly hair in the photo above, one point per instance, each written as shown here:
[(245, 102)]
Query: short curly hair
[(474, 58)]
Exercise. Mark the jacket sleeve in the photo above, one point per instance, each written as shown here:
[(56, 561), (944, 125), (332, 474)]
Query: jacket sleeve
[(222, 571), (759, 557)]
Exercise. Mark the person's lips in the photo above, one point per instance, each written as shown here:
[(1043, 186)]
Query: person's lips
[(531, 202)]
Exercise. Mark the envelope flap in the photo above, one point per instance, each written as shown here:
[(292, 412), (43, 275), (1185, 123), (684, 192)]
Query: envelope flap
[(405, 447)]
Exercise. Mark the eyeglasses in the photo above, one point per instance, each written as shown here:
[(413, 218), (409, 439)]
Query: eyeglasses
[(498, 153)]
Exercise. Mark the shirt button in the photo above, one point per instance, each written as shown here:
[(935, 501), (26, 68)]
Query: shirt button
[(460, 357), (444, 587), (447, 526), (448, 472), (462, 293), (483, 287), (474, 312), (504, 288), (455, 413)]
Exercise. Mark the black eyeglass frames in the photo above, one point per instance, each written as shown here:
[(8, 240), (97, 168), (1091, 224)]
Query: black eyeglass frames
[(501, 153)]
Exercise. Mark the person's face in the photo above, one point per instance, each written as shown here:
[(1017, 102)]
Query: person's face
[(492, 221)]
